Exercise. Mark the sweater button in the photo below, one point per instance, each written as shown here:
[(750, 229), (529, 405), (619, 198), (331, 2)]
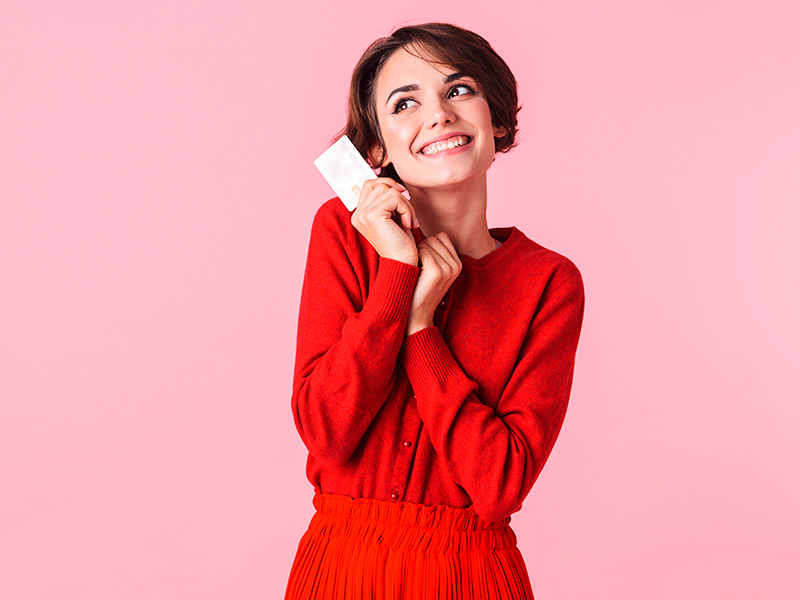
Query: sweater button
[(407, 444), (395, 495)]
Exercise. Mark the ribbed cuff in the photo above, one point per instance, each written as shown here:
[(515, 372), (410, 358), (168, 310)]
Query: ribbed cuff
[(393, 288), (427, 360)]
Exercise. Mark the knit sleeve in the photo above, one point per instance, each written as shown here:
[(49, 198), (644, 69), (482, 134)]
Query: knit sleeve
[(347, 349), (497, 455)]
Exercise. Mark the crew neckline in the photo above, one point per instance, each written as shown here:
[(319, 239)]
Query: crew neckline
[(508, 236)]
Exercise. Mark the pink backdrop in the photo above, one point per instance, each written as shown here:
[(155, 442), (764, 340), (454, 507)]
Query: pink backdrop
[(156, 196)]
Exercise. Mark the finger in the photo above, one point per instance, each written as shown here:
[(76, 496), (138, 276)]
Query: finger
[(387, 181), (442, 246), (445, 250), (394, 183), (391, 200), (385, 184), (372, 189), (377, 186), (427, 257), (448, 243), (431, 257), (406, 211), (447, 246)]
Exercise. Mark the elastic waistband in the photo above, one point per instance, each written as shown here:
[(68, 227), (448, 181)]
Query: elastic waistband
[(406, 514), (437, 528)]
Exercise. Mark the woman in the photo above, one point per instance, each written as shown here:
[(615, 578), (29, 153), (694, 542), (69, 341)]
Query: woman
[(432, 373)]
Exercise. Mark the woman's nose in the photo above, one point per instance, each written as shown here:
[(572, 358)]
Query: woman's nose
[(440, 112)]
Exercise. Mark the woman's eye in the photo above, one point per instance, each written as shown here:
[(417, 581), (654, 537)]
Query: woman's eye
[(465, 87), (402, 105)]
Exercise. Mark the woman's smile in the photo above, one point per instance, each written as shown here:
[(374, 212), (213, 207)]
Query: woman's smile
[(451, 144)]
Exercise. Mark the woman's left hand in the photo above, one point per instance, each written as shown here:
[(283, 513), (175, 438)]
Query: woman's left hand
[(439, 267)]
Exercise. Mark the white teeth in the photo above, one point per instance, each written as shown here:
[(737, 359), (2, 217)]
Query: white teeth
[(440, 146)]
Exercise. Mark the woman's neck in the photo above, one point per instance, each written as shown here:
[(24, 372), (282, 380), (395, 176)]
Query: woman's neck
[(459, 211)]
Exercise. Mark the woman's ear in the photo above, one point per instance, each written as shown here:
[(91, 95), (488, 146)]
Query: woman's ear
[(375, 154), (500, 131)]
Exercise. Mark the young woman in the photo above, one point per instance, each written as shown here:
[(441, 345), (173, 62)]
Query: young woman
[(433, 369)]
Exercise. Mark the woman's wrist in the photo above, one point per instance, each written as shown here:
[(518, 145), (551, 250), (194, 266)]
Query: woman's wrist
[(415, 325), (409, 259)]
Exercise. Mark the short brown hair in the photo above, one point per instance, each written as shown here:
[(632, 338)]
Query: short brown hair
[(450, 45)]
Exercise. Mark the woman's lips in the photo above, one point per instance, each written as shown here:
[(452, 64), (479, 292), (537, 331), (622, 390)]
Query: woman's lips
[(462, 141)]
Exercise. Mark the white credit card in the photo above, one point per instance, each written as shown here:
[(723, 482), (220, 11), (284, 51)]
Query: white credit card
[(345, 170)]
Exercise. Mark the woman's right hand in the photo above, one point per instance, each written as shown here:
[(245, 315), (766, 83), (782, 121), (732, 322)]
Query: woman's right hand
[(379, 200)]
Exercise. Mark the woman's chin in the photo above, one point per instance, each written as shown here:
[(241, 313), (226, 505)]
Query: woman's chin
[(444, 182)]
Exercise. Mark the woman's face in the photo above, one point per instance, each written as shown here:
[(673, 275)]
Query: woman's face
[(419, 103)]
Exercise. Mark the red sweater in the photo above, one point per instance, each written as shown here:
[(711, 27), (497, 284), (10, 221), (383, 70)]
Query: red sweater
[(462, 413)]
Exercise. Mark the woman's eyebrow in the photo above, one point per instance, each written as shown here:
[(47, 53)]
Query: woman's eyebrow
[(413, 87)]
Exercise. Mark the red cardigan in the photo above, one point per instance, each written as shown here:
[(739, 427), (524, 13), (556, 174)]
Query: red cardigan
[(464, 413)]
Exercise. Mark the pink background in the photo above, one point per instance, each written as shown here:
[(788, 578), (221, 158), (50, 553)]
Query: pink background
[(156, 196)]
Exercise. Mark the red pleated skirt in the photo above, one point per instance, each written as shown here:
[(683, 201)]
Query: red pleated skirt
[(380, 550)]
